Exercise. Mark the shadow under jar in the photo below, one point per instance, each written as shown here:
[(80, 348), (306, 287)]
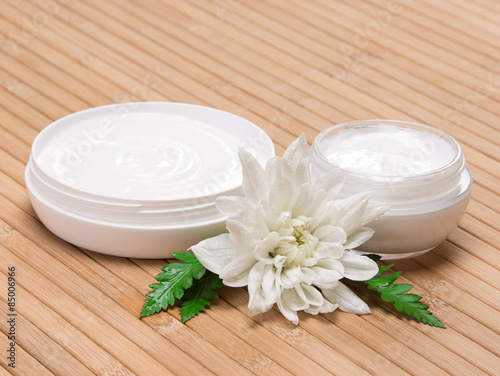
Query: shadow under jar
[(420, 171)]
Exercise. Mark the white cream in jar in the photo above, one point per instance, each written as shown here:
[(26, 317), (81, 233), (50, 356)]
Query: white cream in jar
[(139, 179), (143, 155), (419, 170)]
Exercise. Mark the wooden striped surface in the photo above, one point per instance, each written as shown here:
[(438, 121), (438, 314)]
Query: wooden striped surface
[(291, 67)]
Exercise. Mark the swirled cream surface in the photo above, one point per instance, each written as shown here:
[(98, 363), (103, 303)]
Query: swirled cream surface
[(388, 150), (143, 155)]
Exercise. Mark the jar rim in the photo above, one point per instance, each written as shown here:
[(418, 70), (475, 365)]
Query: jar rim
[(319, 157), (236, 130), (132, 220)]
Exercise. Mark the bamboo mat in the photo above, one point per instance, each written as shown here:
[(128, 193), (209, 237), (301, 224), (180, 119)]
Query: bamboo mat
[(291, 67)]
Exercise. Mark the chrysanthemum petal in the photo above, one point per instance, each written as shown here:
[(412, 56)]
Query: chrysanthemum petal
[(303, 173), (357, 267), (329, 250), (347, 300), (254, 185), (238, 280), (293, 300), (360, 235), (270, 286), (282, 189), (217, 255), (237, 209), (257, 301), (230, 204), (296, 152), (351, 211), (307, 201), (374, 211), (290, 277), (235, 272), (308, 276), (255, 277), (286, 311), (257, 304), (331, 182), (214, 253), (263, 250), (327, 273), (325, 215), (326, 307), (243, 236), (329, 233), (357, 211), (309, 294)]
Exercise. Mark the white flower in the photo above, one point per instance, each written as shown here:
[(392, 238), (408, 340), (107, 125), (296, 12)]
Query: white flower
[(289, 239)]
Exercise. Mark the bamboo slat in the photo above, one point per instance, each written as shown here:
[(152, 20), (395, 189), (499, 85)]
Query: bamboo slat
[(291, 67)]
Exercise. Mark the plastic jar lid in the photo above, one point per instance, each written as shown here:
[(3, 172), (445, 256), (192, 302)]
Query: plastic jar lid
[(144, 164)]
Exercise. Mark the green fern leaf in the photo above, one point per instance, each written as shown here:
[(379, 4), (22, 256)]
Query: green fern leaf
[(396, 294), (173, 281), (198, 296)]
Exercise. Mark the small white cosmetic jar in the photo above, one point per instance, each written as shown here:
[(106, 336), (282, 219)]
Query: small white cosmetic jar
[(418, 170), (139, 179)]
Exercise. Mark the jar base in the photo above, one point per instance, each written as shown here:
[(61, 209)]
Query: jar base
[(393, 256)]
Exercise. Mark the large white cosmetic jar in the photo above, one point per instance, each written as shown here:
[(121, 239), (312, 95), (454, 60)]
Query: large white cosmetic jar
[(418, 170), (139, 179)]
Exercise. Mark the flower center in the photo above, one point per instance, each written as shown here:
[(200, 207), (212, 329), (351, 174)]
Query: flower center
[(296, 243)]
